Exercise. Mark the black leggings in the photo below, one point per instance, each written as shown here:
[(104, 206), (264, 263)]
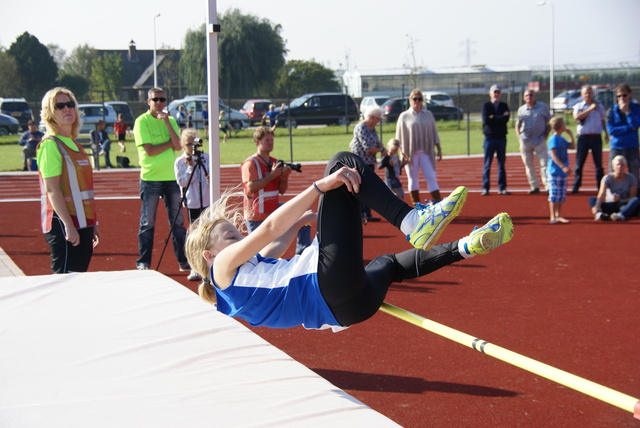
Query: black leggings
[(65, 258), (354, 292)]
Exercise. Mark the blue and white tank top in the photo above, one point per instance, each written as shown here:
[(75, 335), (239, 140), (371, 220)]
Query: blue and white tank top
[(278, 293)]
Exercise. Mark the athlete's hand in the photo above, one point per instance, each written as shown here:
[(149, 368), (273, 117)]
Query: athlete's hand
[(349, 177)]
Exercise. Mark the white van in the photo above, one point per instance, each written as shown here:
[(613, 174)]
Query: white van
[(439, 98)]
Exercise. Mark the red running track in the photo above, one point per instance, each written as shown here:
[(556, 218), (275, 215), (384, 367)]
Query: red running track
[(566, 295)]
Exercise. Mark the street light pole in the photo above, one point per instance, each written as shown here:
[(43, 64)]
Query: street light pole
[(551, 67), (155, 60)]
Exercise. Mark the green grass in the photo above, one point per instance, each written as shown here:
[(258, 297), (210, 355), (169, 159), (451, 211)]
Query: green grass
[(308, 144)]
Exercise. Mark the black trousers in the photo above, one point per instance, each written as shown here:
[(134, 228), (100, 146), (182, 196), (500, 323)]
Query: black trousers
[(65, 258), (355, 292), (586, 143)]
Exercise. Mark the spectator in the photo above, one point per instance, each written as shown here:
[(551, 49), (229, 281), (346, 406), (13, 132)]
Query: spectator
[(532, 129), (367, 145), (618, 194), (121, 131), (590, 116), (30, 140), (181, 117), (156, 135), (623, 121), (223, 124), (558, 169), (393, 163), (419, 140), (100, 142), (270, 115), (263, 179), (69, 215), (495, 117), (329, 285), (205, 118), (192, 174), (190, 123)]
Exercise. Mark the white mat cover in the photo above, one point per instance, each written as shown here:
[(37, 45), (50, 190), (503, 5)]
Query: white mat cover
[(137, 349)]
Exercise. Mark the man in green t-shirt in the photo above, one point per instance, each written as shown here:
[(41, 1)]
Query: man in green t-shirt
[(157, 137)]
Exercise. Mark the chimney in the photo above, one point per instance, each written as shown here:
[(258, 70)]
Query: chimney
[(133, 54)]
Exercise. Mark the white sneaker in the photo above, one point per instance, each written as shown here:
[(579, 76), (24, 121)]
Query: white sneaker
[(618, 217), (194, 276)]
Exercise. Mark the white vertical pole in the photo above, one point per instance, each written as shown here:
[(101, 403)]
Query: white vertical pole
[(552, 58), (212, 75), (155, 60)]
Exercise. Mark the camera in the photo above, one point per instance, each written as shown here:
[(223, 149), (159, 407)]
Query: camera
[(197, 142), (294, 166)]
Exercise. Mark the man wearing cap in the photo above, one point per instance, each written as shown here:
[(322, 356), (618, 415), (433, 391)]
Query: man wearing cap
[(495, 117), (532, 129)]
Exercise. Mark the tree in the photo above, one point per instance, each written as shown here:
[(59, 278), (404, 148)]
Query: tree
[(106, 75), (37, 70), (76, 84), (169, 72), (79, 61), (251, 54), (301, 77), (193, 61), (9, 75)]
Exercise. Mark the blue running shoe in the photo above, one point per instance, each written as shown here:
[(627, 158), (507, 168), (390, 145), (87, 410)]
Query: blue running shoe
[(435, 218), (498, 231)]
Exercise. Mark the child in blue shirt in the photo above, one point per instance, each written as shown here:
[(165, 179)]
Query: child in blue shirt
[(558, 169)]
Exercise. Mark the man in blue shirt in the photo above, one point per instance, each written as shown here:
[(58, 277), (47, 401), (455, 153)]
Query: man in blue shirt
[(29, 139), (495, 117), (623, 122)]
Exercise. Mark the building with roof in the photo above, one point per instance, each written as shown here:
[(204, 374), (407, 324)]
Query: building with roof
[(137, 72)]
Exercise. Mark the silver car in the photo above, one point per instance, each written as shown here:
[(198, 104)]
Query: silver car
[(236, 119), (91, 113)]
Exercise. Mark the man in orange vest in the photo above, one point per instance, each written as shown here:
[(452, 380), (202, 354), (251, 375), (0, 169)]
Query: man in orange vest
[(264, 179)]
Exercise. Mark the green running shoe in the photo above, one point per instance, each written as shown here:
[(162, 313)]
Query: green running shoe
[(498, 231), (434, 219)]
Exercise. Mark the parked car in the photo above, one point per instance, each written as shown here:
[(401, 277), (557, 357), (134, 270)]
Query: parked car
[(91, 113), (439, 98), (441, 112), (121, 107), (377, 100), (325, 108), (17, 108), (566, 100), (236, 119), (392, 108), (255, 109), (8, 124)]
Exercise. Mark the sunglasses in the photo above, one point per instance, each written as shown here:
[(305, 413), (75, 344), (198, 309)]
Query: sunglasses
[(622, 95), (417, 99), (161, 100), (60, 106)]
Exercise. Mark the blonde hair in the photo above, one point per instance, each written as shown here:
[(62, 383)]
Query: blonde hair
[(416, 92), (186, 133), (396, 143), (620, 158), (49, 110), (226, 209), (556, 123)]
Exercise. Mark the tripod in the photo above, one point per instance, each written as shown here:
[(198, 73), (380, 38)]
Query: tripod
[(198, 168)]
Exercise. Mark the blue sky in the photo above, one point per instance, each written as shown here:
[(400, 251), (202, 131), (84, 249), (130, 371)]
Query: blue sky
[(363, 35)]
